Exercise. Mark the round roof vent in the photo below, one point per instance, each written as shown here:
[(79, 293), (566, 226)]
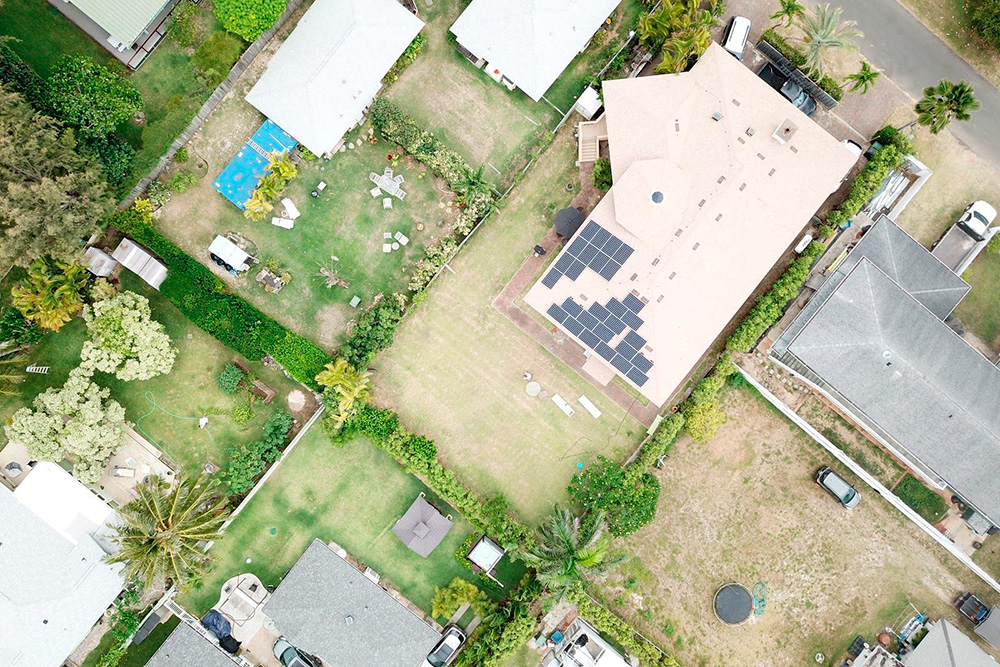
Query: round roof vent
[(657, 197)]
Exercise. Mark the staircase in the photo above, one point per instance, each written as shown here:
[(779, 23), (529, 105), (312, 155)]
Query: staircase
[(591, 133)]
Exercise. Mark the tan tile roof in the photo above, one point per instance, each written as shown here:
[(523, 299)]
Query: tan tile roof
[(732, 203)]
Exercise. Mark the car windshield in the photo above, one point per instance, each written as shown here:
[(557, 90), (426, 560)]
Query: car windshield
[(801, 99), (440, 656), (849, 496), (288, 655), (979, 216)]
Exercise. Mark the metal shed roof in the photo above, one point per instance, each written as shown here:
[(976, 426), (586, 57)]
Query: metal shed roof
[(124, 21), (137, 259)]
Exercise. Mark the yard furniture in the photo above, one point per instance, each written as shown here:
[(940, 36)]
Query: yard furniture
[(321, 186), (395, 246), (398, 178), (375, 192), (124, 472), (484, 556), (290, 209), (387, 235), (387, 183), (589, 406), (387, 203), (386, 247), (423, 527), (284, 223), (563, 405), (402, 238)]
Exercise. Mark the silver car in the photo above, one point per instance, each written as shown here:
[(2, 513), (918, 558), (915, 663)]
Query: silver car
[(838, 487), (289, 656), (446, 649)]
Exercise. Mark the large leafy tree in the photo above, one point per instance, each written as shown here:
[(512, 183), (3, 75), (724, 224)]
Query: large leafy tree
[(569, 548), (248, 18), (91, 97), (51, 197), (75, 421), (159, 540), (944, 103), (51, 294), (823, 32), (346, 389), (125, 339)]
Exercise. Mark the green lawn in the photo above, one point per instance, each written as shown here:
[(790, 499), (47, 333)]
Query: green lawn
[(168, 82), (980, 309), (921, 499), (345, 222), (184, 392), (135, 656), (351, 495)]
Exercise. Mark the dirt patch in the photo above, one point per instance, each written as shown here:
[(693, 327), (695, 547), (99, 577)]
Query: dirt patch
[(296, 400), (331, 321)]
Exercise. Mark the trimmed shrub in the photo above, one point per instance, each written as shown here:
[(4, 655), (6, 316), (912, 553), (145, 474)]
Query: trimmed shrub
[(702, 420), (890, 135), (866, 184), (986, 21), (18, 76), (182, 181), (602, 174), (373, 331), (628, 499), (248, 18), (229, 379), (181, 156), (246, 463)]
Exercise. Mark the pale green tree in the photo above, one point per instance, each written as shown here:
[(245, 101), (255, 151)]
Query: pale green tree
[(823, 33), (346, 388), (75, 422), (125, 340)]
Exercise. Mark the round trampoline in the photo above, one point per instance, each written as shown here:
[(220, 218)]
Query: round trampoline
[(733, 604)]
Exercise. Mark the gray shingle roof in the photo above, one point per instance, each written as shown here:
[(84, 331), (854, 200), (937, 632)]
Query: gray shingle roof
[(186, 647), (946, 646), (905, 370), (327, 607), (422, 528)]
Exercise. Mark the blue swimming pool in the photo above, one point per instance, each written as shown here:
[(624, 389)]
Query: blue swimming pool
[(240, 177)]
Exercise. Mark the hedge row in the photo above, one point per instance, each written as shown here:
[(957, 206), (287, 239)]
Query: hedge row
[(396, 127), (866, 184), (18, 76), (796, 58), (419, 455), (496, 641), (610, 625), (202, 297)]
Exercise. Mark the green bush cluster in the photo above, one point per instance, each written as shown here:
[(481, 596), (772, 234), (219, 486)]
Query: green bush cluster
[(602, 174), (248, 18), (18, 76), (610, 625), (247, 462), (229, 379), (203, 298), (91, 97), (115, 155), (702, 410), (418, 455), (216, 56), (405, 60), (931, 506), (627, 495), (14, 327), (515, 624), (396, 127), (866, 184), (986, 20), (448, 600), (182, 181), (796, 58), (891, 135), (373, 331), (771, 304), (184, 28), (124, 623)]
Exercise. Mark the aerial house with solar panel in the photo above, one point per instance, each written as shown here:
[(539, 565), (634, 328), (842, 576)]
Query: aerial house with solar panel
[(715, 177)]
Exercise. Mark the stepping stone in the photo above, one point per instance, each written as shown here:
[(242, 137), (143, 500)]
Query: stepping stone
[(351, 145), (343, 149)]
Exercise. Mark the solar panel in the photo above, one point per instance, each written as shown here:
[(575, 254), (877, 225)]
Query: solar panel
[(636, 376), (633, 303), (615, 325), (621, 363), (605, 351), (616, 307), (572, 307), (603, 332), (587, 320), (557, 313), (589, 339), (588, 254), (576, 246), (551, 278), (610, 269), (599, 262), (632, 320), (564, 261), (623, 253), (642, 363), (573, 326), (575, 269), (599, 311), (635, 340), (589, 230), (601, 237), (625, 350), (612, 245)]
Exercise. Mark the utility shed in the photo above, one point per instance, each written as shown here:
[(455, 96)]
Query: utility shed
[(139, 261), (326, 606), (124, 21)]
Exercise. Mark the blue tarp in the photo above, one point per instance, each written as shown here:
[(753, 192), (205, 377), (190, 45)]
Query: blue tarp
[(240, 177), (217, 624)]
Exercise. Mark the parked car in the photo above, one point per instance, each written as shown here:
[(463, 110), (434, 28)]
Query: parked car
[(800, 98), (289, 656), (972, 608), (976, 219), (838, 487), (446, 649), (735, 38)]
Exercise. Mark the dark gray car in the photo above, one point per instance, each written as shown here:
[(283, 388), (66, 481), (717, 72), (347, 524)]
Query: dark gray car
[(289, 656), (800, 98)]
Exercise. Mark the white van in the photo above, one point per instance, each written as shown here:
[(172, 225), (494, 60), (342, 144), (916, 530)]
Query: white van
[(736, 36)]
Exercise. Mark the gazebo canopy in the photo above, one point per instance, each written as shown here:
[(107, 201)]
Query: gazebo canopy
[(422, 528), (568, 221)]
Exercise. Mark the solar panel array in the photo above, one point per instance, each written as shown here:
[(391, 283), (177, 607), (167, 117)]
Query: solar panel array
[(598, 325), (595, 248)]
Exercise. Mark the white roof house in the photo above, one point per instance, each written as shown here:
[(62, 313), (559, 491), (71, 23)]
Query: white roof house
[(530, 42), (54, 583), (137, 259), (319, 83), (715, 177)]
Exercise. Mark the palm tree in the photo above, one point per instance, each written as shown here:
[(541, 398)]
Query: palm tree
[(10, 374), (945, 102), (52, 293), (473, 181), (790, 10), (164, 530), (864, 78), (654, 27), (256, 208), (281, 166), (823, 32), (569, 548), (345, 385)]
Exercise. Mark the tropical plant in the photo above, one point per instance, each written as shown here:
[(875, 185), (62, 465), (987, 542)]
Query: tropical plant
[(163, 528), (790, 10), (823, 31), (447, 600), (986, 20), (346, 387), (256, 208), (248, 18), (682, 28), (74, 421), (627, 495), (229, 379), (602, 174), (945, 102), (281, 166), (158, 193), (471, 181), (16, 330), (51, 294), (11, 373), (91, 97), (182, 181), (863, 80), (125, 340), (569, 548)]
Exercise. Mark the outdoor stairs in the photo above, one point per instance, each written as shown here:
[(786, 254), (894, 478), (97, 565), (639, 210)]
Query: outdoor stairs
[(591, 133), (41, 370)]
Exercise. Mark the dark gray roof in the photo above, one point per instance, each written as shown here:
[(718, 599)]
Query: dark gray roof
[(422, 527), (905, 370), (946, 646), (186, 647), (327, 607)]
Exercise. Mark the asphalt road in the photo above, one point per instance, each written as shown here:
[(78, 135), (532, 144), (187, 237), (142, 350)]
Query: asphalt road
[(915, 58)]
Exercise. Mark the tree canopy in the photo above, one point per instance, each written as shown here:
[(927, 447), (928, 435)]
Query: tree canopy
[(248, 18), (125, 340), (51, 197), (946, 102), (91, 97)]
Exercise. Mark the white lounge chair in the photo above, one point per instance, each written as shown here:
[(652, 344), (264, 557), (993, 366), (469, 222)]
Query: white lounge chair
[(284, 223), (290, 209), (402, 238)]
